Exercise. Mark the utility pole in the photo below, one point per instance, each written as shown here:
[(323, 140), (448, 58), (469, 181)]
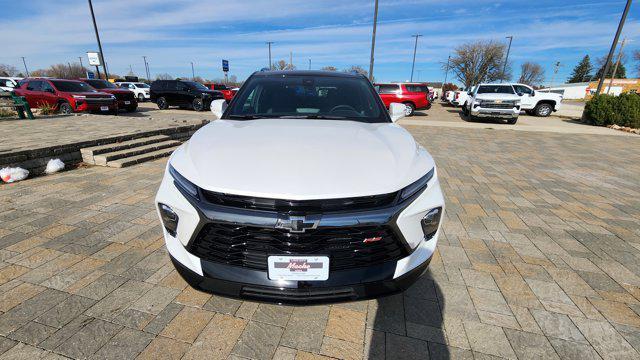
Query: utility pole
[(290, 60), (613, 47), (309, 64), (415, 47), (25, 66), (146, 68), (615, 68), (95, 28), (193, 72), (506, 60), (270, 64), (446, 73), (373, 40), (130, 69), (80, 58)]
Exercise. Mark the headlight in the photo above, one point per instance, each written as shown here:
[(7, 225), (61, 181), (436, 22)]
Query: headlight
[(113, 97), (430, 222), (169, 219), (417, 186), (183, 183), (79, 97)]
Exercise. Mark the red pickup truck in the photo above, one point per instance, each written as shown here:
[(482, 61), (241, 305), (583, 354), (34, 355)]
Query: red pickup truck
[(415, 96)]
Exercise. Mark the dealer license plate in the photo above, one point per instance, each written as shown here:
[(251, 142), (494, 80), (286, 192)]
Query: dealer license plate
[(104, 108), (313, 268), (127, 102)]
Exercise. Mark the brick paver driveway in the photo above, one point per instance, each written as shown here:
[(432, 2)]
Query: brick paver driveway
[(539, 259)]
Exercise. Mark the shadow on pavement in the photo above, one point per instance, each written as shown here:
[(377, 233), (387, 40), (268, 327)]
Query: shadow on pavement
[(408, 325)]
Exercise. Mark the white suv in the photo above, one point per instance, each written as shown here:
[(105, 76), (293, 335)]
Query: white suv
[(140, 89), (9, 83), (304, 190)]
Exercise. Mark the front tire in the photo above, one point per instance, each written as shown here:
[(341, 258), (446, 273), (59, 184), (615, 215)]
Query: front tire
[(197, 104), (409, 109), (65, 108), (140, 98), (162, 103), (543, 110), (512, 121)]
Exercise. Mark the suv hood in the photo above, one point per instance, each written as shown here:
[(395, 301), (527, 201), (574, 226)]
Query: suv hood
[(301, 159), (90, 94), (497, 97)]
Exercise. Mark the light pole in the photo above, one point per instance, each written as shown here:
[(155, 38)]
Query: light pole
[(25, 66), (506, 59), (373, 40), (80, 58), (613, 47), (415, 47), (146, 68), (95, 28), (270, 65), (309, 64), (193, 72), (446, 73)]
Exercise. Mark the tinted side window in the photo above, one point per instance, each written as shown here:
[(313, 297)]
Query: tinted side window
[(522, 89), (34, 86), (178, 86), (387, 89), (417, 88), (47, 87)]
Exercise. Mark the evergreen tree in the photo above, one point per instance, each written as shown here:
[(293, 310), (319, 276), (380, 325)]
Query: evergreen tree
[(582, 71), (621, 72)]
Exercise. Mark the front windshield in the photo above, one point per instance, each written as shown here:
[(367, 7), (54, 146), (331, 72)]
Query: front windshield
[(306, 96), (101, 84), (195, 85), (495, 89), (142, 85), (72, 86)]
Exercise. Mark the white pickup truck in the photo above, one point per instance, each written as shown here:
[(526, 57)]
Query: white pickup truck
[(533, 102), (460, 97), (493, 101)]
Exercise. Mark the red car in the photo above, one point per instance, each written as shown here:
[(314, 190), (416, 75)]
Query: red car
[(415, 96), (126, 98), (226, 91), (66, 96)]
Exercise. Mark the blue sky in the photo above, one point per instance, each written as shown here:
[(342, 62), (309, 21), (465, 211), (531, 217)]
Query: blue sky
[(172, 33)]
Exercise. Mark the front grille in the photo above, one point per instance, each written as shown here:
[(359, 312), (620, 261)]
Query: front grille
[(300, 206), (122, 97), (299, 295), (497, 105), (99, 101), (249, 246)]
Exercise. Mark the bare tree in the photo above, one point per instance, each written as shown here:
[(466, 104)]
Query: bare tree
[(164, 76), (67, 71), (329, 68), (480, 61), (283, 65), (531, 74), (357, 69), (8, 70), (39, 73)]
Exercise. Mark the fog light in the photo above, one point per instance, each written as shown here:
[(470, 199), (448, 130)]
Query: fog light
[(430, 222), (169, 219)]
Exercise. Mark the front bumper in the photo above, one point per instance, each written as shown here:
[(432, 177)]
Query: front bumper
[(495, 113), (343, 285)]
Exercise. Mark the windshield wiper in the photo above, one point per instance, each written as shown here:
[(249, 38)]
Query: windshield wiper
[(246, 117), (327, 117)]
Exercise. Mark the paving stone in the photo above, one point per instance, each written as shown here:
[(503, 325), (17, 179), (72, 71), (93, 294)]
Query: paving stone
[(490, 301), (258, 341), (402, 347), (88, 339), (118, 300), (66, 332), (488, 339), (530, 346), (32, 333), (617, 312), (573, 350), (305, 329), (29, 310), (164, 348), (23, 351), (478, 279), (374, 345), (187, 324), (387, 314), (154, 300), (605, 339), (272, 314), (557, 325), (12, 297), (345, 324), (192, 297), (133, 319), (222, 305), (336, 348), (126, 344), (158, 324), (423, 312), (100, 288), (217, 339), (66, 311)]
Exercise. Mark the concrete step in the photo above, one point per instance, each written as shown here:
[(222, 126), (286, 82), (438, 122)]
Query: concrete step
[(132, 160), (103, 159), (89, 152)]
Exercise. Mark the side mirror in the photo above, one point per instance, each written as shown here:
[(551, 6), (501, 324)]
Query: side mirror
[(218, 107), (520, 94), (533, 93), (397, 111)]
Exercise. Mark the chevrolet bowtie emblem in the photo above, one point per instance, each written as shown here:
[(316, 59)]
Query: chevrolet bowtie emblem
[(297, 224)]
